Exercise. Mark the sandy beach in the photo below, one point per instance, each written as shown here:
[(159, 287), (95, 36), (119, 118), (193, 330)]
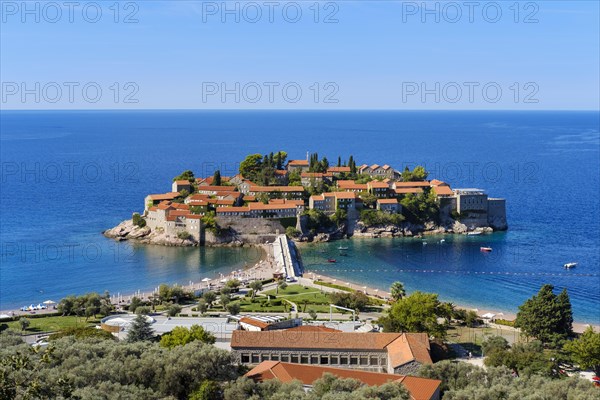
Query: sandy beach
[(578, 327)]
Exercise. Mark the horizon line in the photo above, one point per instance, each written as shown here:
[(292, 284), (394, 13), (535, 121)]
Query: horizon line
[(302, 109)]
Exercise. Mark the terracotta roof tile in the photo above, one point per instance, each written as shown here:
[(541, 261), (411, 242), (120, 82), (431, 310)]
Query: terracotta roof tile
[(298, 163), (338, 169), (269, 189), (408, 190), (412, 184), (308, 340), (443, 190), (419, 388)]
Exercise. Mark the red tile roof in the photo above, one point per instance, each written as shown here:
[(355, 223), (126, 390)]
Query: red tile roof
[(387, 201), (419, 388), (412, 184), (299, 163), (183, 182), (378, 185), (443, 190), (408, 190), (311, 175), (344, 195), (216, 188), (312, 328), (338, 169), (164, 196), (269, 189)]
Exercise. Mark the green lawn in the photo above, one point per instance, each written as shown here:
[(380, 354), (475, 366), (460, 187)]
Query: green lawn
[(50, 324), (298, 294)]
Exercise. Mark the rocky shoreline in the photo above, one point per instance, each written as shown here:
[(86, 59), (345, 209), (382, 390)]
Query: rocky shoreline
[(127, 230), (406, 229)]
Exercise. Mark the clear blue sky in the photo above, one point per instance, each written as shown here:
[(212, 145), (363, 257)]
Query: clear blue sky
[(378, 55)]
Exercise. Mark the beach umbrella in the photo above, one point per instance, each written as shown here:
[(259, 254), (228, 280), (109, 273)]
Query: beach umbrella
[(48, 302)]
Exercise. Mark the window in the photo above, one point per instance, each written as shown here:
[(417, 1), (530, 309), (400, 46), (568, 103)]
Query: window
[(264, 357), (373, 361), (314, 359), (343, 360), (274, 357), (245, 358), (304, 359), (255, 359), (364, 361), (324, 360), (285, 358), (382, 361), (334, 360), (353, 360), (294, 358)]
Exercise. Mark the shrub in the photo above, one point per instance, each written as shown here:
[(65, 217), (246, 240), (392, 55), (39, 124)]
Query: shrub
[(138, 220), (184, 235)]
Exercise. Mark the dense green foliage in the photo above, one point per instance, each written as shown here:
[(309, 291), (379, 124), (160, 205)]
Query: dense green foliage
[(522, 358), (421, 207), (83, 332), (181, 336), (546, 316), (417, 174), (316, 165), (185, 175), (87, 305), (355, 300), (261, 169), (217, 178), (397, 290), (416, 313), (317, 220), (375, 218), (102, 369), (138, 220), (586, 350), (463, 381), (326, 388)]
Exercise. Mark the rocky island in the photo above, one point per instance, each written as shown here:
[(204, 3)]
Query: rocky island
[(309, 200)]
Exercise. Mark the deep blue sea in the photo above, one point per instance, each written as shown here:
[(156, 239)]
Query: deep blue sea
[(66, 176)]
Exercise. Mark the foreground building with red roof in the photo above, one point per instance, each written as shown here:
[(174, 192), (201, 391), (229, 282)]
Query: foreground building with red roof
[(399, 353), (419, 388)]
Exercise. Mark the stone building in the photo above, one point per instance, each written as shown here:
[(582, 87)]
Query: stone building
[(399, 353), (173, 219)]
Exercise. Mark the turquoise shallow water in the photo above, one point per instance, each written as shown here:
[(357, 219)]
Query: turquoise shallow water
[(66, 176)]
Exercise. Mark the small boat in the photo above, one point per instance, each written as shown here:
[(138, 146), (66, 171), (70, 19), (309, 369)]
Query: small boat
[(442, 241), (331, 260), (485, 249), (342, 248), (424, 243), (473, 233), (570, 265)]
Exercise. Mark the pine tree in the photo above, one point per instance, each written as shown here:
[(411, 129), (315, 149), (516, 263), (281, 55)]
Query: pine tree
[(566, 313), (339, 164), (140, 330), (544, 317)]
